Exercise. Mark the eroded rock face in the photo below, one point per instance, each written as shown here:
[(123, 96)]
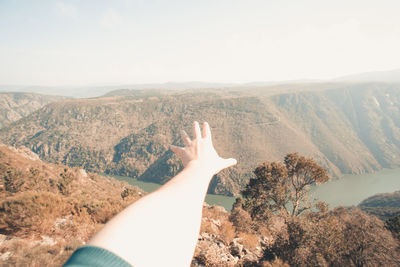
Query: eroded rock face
[(14, 106)]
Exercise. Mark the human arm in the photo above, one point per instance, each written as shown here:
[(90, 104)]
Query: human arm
[(161, 229)]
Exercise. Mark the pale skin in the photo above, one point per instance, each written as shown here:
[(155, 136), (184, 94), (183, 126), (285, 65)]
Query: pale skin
[(161, 229)]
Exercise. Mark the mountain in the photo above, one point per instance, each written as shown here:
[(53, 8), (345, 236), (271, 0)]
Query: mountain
[(99, 90), (392, 76), (347, 128), (384, 206), (144, 88), (14, 106)]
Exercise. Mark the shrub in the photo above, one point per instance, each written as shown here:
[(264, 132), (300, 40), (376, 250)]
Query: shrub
[(29, 212), (240, 218), (13, 180), (339, 238), (249, 241), (393, 225), (227, 232)]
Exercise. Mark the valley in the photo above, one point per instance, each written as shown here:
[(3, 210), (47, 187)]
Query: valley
[(347, 128)]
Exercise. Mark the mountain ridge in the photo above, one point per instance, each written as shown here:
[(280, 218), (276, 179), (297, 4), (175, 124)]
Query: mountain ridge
[(341, 126), (390, 76)]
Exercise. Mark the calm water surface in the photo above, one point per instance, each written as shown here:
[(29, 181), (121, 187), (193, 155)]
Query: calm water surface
[(346, 191), (211, 199), (352, 189)]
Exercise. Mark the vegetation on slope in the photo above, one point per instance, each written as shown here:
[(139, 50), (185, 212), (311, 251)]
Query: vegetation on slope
[(346, 128), (356, 127), (262, 231), (14, 106), (47, 210), (384, 206)]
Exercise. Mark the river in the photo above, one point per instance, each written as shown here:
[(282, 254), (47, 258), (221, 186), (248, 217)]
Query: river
[(211, 199), (346, 191), (352, 189)]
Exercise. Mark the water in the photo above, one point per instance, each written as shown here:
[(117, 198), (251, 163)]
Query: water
[(346, 191), (352, 189), (211, 199)]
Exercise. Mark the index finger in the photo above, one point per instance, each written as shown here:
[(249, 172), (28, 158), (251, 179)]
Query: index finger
[(185, 138), (206, 131)]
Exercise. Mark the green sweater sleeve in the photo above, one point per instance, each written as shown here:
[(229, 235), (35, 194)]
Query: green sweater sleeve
[(95, 256)]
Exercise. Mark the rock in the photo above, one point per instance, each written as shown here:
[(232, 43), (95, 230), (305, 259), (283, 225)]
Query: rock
[(62, 222), (212, 252), (216, 222), (3, 238), (46, 240), (83, 173), (236, 249), (5, 256), (219, 208), (27, 153)]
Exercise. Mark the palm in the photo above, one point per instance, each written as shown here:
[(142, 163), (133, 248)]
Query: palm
[(201, 151)]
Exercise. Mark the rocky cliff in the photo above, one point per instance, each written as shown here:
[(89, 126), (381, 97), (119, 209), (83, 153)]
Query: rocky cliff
[(14, 106)]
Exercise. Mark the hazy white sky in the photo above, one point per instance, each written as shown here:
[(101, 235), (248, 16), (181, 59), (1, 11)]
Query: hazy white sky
[(80, 42)]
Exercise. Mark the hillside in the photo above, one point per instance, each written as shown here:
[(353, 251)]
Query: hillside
[(384, 206), (48, 210), (14, 106), (346, 128)]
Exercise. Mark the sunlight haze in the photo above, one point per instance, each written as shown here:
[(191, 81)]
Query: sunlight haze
[(124, 42)]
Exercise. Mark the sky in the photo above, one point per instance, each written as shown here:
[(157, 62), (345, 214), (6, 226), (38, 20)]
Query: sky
[(99, 42)]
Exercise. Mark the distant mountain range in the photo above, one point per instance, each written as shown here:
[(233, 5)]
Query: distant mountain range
[(347, 128), (99, 90), (392, 76)]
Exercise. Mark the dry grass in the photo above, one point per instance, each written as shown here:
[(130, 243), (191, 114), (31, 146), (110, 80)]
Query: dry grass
[(227, 232), (32, 212), (36, 254), (250, 241), (42, 202), (276, 263)]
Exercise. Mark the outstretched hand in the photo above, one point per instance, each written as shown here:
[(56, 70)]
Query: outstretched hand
[(200, 151), (146, 227)]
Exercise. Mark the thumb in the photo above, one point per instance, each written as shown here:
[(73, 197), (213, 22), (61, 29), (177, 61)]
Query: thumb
[(229, 162)]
